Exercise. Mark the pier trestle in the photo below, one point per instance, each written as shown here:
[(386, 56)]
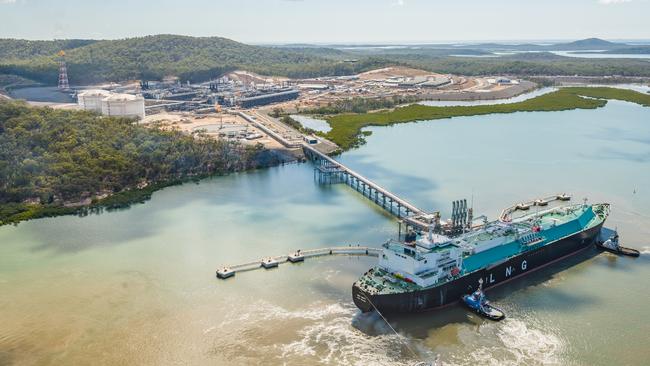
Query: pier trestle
[(330, 171), (298, 256)]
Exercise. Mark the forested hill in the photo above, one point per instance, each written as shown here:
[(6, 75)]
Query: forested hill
[(52, 157), (154, 57), (21, 49), (202, 58)]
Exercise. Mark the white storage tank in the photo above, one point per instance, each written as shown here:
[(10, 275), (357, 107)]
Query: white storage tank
[(91, 100), (123, 105)]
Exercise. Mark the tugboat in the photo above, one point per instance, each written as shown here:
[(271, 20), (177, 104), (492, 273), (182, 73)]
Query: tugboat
[(611, 245), (479, 303)]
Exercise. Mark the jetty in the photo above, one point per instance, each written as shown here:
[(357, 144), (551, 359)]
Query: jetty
[(327, 170), (330, 171), (294, 257)]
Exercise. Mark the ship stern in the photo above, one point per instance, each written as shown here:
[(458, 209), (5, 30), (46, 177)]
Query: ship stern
[(361, 298)]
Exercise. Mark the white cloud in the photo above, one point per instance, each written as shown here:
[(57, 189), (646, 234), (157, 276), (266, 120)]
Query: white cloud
[(610, 2), (7, 1), (398, 3)]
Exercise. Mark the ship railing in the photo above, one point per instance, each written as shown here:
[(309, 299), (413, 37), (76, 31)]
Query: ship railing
[(443, 261), (309, 253), (402, 249), (506, 213)]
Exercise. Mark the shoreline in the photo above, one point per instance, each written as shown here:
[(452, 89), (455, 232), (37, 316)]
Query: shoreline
[(352, 125), (346, 129), (15, 213)]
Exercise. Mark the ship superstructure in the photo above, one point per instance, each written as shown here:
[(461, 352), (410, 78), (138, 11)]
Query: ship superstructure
[(429, 269)]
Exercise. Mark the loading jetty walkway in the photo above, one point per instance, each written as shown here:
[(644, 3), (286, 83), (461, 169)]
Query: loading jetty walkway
[(330, 171), (295, 257)]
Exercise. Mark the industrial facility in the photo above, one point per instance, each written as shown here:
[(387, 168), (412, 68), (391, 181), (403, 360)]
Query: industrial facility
[(268, 98), (247, 90)]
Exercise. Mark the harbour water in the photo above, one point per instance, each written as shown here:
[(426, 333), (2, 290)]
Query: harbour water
[(42, 94), (137, 286), (313, 123), (599, 54), (574, 53)]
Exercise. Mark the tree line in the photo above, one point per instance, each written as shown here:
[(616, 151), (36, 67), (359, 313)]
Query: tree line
[(50, 157), (202, 58)]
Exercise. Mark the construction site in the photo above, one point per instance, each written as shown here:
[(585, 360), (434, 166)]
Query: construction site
[(238, 105), (246, 90)]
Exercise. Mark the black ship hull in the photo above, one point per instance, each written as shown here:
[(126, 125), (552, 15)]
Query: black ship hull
[(450, 292)]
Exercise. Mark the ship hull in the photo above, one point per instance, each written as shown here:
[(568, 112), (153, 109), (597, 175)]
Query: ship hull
[(450, 292)]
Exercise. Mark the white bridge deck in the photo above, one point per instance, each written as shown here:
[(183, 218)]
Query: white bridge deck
[(291, 138), (383, 191), (229, 271)]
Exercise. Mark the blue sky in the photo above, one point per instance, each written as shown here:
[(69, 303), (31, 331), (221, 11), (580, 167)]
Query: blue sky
[(322, 21)]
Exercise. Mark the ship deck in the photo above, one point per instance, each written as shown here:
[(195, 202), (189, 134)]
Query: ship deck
[(555, 223)]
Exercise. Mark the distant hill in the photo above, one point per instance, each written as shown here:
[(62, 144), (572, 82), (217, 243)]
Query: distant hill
[(314, 50), (202, 58), (20, 49), (587, 44), (154, 57), (580, 45)]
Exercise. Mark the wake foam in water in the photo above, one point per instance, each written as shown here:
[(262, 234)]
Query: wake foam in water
[(529, 345), (337, 334), (335, 342), (319, 334), (510, 342), (645, 250)]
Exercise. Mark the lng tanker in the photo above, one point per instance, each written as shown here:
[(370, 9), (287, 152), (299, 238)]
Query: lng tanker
[(435, 267)]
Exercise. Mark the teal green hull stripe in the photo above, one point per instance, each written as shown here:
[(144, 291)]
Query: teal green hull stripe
[(550, 234)]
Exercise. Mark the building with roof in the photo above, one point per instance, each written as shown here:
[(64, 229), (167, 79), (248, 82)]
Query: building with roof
[(91, 100), (435, 82), (112, 104), (502, 81), (258, 100)]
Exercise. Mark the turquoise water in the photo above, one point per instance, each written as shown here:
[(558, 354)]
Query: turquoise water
[(137, 286)]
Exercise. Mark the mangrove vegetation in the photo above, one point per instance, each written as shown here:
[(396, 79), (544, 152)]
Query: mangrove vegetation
[(346, 128)]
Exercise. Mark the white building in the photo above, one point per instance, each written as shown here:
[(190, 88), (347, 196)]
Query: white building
[(91, 100), (123, 105), (314, 86), (502, 81), (112, 104)]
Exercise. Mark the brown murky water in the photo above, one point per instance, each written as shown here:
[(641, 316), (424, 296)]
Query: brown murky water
[(137, 286)]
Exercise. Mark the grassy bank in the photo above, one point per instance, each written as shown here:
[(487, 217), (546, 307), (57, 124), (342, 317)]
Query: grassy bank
[(346, 128)]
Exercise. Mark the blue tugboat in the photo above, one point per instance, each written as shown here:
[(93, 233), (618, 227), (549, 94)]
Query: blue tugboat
[(479, 304)]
